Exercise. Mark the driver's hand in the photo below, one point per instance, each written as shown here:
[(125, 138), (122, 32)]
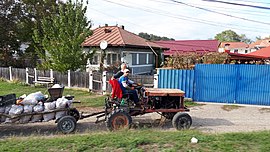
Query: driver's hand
[(139, 84)]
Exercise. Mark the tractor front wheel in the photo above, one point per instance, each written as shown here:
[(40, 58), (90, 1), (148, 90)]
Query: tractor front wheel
[(181, 121), (118, 120)]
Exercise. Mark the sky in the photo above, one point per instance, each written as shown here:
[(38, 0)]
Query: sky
[(183, 19)]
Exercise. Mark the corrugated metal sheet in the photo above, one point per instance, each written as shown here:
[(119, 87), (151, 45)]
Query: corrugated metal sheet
[(215, 83), (253, 85), (243, 84), (177, 79)]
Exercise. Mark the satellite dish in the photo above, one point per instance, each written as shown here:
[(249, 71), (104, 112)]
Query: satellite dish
[(103, 44)]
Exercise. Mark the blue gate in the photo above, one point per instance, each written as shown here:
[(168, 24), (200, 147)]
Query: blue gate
[(244, 84), (177, 79)]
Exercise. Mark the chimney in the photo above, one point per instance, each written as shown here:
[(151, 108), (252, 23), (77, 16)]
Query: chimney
[(106, 25), (122, 27)]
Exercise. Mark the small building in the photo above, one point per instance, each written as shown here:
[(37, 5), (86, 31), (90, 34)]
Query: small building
[(183, 46), (259, 44), (234, 47), (123, 46)]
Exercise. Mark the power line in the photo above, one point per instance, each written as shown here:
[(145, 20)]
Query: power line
[(187, 18), (251, 1), (238, 4), (208, 10), (222, 8)]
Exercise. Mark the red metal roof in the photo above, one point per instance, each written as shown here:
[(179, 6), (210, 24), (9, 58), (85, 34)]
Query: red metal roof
[(117, 36), (237, 56), (198, 46), (233, 45), (264, 52), (260, 43)]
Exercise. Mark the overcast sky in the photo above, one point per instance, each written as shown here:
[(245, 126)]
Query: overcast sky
[(189, 20)]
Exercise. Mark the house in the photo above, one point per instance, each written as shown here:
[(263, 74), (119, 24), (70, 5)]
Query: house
[(259, 44), (234, 47), (182, 46), (264, 53), (123, 46)]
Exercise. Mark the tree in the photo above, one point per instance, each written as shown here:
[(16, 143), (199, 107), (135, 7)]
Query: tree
[(152, 37), (62, 37), (231, 36), (33, 13), (9, 42)]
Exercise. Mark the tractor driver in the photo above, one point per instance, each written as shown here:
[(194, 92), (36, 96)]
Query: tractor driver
[(124, 83)]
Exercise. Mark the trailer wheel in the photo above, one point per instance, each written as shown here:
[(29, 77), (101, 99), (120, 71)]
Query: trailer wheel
[(74, 113), (67, 124), (181, 121), (118, 120)]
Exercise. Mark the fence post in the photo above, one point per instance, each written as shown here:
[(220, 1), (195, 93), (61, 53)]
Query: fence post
[(26, 76), (68, 78), (51, 75), (35, 71), (10, 73), (104, 83), (156, 79), (90, 80)]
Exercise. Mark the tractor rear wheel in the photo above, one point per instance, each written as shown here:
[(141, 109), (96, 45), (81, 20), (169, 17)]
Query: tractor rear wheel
[(181, 121), (118, 120)]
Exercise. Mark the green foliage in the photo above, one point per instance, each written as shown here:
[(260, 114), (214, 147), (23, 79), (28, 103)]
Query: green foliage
[(9, 41), (231, 36), (62, 37), (152, 37)]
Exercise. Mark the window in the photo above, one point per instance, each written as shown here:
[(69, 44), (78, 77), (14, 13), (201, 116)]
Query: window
[(114, 58), (134, 58), (236, 51), (109, 61), (94, 60), (142, 58), (246, 51), (151, 59)]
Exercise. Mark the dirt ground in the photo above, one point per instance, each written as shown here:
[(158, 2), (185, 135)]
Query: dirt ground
[(210, 118)]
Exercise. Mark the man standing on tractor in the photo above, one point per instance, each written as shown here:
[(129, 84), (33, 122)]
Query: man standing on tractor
[(127, 87), (121, 72)]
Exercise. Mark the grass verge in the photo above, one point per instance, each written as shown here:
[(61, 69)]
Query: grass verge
[(142, 140), (87, 99)]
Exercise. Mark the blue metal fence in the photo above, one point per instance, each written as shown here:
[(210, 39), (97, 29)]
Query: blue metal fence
[(243, 84), (177, 79)]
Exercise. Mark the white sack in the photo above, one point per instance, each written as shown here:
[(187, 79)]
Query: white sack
[(38, 108), (48, 117), (49, 106), (33, 98), (60, 114), (61, 103), (26, 109), (15, 110)]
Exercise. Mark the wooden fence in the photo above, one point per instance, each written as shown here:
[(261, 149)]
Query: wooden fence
[(94, 81)]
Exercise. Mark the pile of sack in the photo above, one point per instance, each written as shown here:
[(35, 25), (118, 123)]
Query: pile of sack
[(34, 103)]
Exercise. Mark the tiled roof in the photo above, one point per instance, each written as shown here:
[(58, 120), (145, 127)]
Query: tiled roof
[(199, 46), (264, 52), (233, 45), (117, 36), (261, 43)]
